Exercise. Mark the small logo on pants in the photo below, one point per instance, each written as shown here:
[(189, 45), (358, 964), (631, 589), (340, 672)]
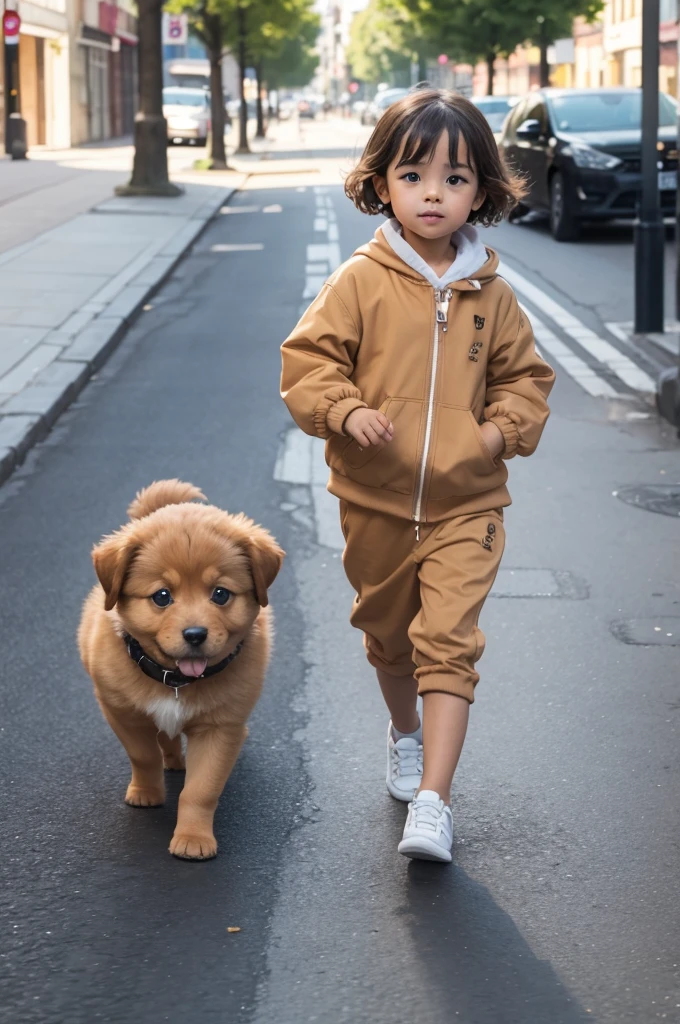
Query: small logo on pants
[(490, 536)]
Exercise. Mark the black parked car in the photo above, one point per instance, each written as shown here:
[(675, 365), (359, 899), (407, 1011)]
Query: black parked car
[(580, 150)]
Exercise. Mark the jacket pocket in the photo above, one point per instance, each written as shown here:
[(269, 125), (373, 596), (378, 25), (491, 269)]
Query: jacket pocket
[(393, 466), (461, 462)]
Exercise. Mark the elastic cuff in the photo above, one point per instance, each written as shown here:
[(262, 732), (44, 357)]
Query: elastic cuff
[(444, 682), (339, 411), (510, 433), (401, 668)]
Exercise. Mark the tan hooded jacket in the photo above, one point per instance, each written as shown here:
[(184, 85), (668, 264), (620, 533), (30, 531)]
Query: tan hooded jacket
[(438, 357)]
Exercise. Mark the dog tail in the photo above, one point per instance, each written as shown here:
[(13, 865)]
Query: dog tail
[(162, 493)]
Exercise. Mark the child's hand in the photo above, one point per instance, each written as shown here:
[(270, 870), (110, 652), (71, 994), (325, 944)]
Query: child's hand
[(368, 426), (493, 438)]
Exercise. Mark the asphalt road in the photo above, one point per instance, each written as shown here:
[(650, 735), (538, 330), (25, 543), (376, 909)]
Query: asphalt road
[(561, 905)]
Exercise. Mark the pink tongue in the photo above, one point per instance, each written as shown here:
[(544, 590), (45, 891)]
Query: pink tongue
[(193, 667)]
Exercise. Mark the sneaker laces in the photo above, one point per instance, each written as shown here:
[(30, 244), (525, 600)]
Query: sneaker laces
[(407, 760), (425, 814)]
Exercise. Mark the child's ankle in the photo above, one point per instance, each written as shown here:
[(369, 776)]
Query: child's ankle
[(400, 734)]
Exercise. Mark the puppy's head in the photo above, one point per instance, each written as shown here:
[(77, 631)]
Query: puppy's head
[(187, 580)]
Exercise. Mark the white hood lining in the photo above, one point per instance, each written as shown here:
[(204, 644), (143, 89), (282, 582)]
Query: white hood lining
[(471, 254)]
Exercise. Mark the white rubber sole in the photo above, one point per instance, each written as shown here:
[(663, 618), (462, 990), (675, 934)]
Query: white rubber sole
[(399, 794), (418, 848)]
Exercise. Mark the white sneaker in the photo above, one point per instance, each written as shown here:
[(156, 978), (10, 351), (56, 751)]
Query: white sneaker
[(404, 766), (428, 833)]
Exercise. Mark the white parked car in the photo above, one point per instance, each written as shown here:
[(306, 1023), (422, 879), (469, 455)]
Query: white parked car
[(187, 112)]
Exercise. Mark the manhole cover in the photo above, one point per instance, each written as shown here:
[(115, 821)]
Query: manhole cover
[(662, 498), (539, 583), (663, 631)]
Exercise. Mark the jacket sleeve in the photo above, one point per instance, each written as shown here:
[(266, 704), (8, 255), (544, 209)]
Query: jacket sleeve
[(318, 361), (518, 385)]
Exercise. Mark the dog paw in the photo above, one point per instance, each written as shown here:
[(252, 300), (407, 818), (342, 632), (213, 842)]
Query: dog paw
[(139, 796), (193, 847), (173, 763)]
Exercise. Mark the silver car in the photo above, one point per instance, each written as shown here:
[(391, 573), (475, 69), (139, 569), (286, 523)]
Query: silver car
[(187, 112)]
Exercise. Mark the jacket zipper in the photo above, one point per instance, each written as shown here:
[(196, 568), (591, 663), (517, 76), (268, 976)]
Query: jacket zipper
[(441, 300)]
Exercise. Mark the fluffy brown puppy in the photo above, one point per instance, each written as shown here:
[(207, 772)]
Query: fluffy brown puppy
[(177, 640)]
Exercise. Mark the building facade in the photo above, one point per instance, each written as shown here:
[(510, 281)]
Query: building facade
[(103, 70)]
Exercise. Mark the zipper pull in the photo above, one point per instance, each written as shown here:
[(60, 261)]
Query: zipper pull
[(442, 300)]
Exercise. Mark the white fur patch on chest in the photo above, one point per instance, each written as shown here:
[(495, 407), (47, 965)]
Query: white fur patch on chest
[(169, 714)]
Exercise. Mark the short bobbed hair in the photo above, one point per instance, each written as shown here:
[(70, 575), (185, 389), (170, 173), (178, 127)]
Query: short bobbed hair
[(417, 122)]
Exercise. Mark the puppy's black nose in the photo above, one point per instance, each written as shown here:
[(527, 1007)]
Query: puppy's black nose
[(195, 635)]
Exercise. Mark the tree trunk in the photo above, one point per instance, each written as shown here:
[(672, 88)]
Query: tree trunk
[(422, 67), (490, 68), (243, 146), (150, 168), (260, 133), (544, 67), (216, 151)]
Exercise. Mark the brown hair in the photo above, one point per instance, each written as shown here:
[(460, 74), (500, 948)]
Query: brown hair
[(418, 121)]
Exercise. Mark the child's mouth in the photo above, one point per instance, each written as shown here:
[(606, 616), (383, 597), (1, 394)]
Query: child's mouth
[(431, 218)]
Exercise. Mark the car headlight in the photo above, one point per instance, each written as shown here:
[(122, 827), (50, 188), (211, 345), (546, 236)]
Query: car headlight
[(595, 159)]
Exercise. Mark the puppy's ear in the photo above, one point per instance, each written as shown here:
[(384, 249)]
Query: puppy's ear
[(266, 558), (112, 558)]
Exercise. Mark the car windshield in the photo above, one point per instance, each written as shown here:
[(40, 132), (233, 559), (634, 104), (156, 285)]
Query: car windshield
[(183, 98), (606, 111), (495, 111)]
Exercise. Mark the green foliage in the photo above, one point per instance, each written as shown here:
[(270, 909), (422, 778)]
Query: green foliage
[(387, 33)]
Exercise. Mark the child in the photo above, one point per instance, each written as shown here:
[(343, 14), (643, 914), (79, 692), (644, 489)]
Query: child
[(417, 365)]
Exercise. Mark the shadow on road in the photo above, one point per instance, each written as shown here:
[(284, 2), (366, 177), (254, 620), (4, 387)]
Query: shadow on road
[(479, 956)]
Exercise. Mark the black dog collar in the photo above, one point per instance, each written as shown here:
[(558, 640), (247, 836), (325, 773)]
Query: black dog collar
[(172, 677)]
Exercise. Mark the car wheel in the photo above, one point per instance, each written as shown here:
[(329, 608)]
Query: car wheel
[(517, 213), (203, 141), (563, 225)]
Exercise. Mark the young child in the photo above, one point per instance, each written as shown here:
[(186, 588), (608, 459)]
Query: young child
[(417, 365)]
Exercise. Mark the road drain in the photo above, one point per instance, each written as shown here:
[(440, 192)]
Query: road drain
[(539, 583), (663, 631), (661, 498)]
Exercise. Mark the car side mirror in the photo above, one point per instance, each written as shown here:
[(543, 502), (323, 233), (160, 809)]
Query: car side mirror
[(529, 131)]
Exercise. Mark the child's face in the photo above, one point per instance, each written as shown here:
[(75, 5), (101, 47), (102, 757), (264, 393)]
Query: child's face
[(432, 198)]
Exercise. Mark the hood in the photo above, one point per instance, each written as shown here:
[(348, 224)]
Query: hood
[(474, 263)]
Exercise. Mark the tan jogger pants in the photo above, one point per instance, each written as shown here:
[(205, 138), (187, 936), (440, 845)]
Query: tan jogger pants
[(418, 601)]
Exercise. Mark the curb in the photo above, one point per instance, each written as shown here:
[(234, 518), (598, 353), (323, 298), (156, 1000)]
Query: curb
[(29, 415)]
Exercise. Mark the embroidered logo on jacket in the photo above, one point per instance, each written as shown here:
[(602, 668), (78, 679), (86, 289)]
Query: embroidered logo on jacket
[(472, 354), (479, 322)]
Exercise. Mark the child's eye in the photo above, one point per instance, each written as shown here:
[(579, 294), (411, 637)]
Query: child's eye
[(455, 179), (412, 177)]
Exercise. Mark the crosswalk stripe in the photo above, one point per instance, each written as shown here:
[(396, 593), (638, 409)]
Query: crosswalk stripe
[(572, 364), (624, 368)]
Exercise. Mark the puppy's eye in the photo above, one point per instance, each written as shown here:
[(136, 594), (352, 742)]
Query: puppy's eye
[(162, 598), (220, 595)]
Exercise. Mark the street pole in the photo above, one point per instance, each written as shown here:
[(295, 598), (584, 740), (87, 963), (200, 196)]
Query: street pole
[(649, 228), (243, 146), (150, 169)]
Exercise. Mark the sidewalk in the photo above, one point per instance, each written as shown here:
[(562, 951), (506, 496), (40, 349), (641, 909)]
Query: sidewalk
[(68, 293)]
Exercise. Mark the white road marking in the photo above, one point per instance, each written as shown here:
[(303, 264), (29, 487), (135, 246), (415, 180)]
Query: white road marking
[(313, 286), (330, 253), (321, 224), (669, 341), (333, 233), (274, 208), (245, 247), (602, 350), (577, 369), (316, 268), (301, 462), (239, 209)]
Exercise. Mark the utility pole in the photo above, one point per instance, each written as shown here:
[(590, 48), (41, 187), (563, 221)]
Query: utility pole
[(150, 169), (649, 228)]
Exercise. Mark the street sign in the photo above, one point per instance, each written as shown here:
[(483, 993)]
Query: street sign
[(175, 29), (11, 24)]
